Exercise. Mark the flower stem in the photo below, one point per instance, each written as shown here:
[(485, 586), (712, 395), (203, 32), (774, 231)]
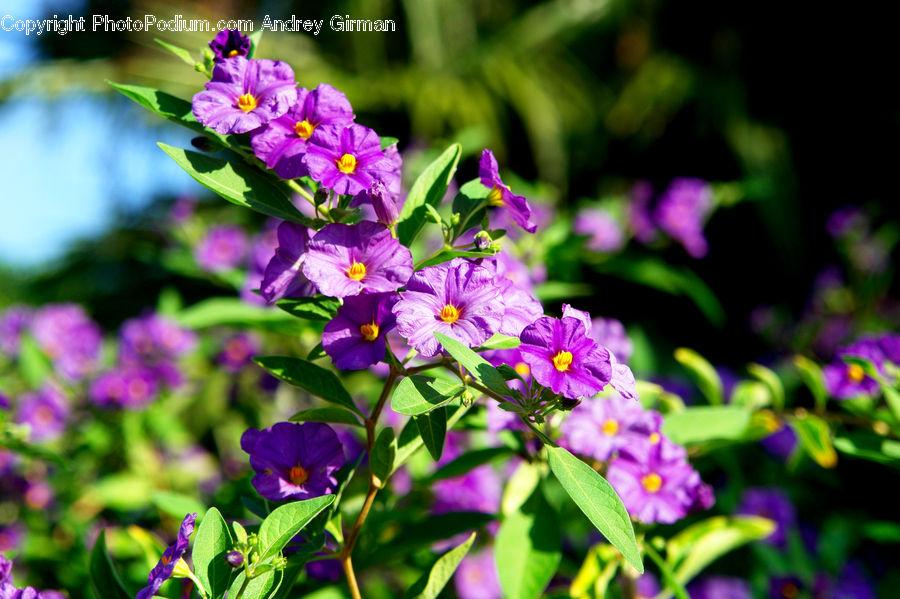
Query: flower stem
[(243, 586)]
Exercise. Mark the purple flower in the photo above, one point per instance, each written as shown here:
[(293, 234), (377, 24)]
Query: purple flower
[(346, 160), (847, 380), (382, 202), (155, 342), (563, 357), (521, 308), (344, 260), (223, 248), (11, 537), (229, 43), (890, 347), (479, 490), (127, 386), (773, 504), (682, 210), (647, 586), (500, 195), (238, 350), (601, 428), (610, 333), (166, 566), (71, 339), (13, 322), (656, 483), (45, 412), (262, 247), (720, 587), (245, 94), (355, 336), (477, 578), (283, 143), (283, 276), (605, 233), (294, 461), (456, 298)]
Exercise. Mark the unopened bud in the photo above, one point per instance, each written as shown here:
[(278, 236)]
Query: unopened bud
[(234, 559), (566, 404), (483, 240)]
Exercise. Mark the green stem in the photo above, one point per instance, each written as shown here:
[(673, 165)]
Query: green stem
[(306, 194), (461, 228), (243, 588), (667, 575)]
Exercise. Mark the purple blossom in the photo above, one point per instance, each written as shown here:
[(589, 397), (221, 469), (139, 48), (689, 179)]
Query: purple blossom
[(245, 94), (155, 342), (283, 276), (479, 490), (69, 338), (720, 587), (13, 322), (610, 333), (647, 586), (347, 160), (603, 231), (601, 428), (640, 215), (223, 248), (848, 380), (262, 248), (354, 338), (127, 386), (889, 344), (773, 504), (238, 350), (11, 537), (477, 578), (46, 412), (229, 43), (344, 260), (521, 307), (283, 143), (563, 357), (294, 461), (166, 566), (383, 204), (500, 195), (682, 210), (458, 298)]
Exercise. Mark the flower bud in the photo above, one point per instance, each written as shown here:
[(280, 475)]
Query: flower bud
[(235, 559), (482, 240)]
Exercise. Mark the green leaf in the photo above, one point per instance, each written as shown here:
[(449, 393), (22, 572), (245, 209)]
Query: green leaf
[(286, 521), (239, 183), (598, 500), (105, 581), (815, 438), (498, 341), (812, 378), (383, 453), (387, 142), (330, 415), (409, 441), (705, 423), (771, 380), (892, 398), (520, 486), (255, 38), (316, 353), (470, 204), (480, 369), (468, 461), (34, 365), (177, 504), (429, 188), (433, 430), (703, 373), (260, 587), (751, 395), (528, 548), (307, 375), (430, 585), (233, 311), (418, 394), (181, 53), (668, 577), (448, 255), (870, 447), (320, 307), (211, 544)]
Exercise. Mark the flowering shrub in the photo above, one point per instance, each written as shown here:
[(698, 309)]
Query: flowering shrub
[(392, 404)]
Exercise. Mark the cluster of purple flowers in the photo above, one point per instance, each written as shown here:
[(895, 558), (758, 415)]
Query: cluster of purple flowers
[(649, 472), (848, 380), (9, 591), (66, 335), (680, 212)]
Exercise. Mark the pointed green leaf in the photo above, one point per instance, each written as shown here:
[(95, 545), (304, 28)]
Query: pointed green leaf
[(307, 375), (211, 544), (598, 500), (286, 521), (771, 380), (181, 53), (433, 430), (480, 369), (105, 581), (255, 38), (319, 307), (499, 341), (387, 142), (430, 585), (330, 415), (815, 438), (528, 548), (448, 255), (260, 587), (383, 453), (703, 373), (705, 423), (418, 394), (410, 441), (429, 188), (812, 378)]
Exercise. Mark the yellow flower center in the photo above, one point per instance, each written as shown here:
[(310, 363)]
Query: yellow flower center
[(495, 197), (562, 360), (233, 53), (304, 129), (855, 373), (610, 427), (346, 164), (246, 102), (369, 331), (652, 482), (654, 438), (298, 475), (522, 369), (357, 271), (449, 314)]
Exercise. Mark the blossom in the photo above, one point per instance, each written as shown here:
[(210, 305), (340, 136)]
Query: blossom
[(646, 586), (237, 351), (155, 342), (773, 504), (13, 322), (478, 490), (477, 577), (500, 195), (223, 248), (848, 380), (344, 260), (563, 357), (294, 461), (166, 567), (127, 386), (719, 587), (521, 307), (600, 428), (245, 94), (382, 202), (69, 338), (681, 211), (229, 43), (45, 412), (283, 143), (346, 160), (457, 298), (605, 233), (283, 276), (354, 338)]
